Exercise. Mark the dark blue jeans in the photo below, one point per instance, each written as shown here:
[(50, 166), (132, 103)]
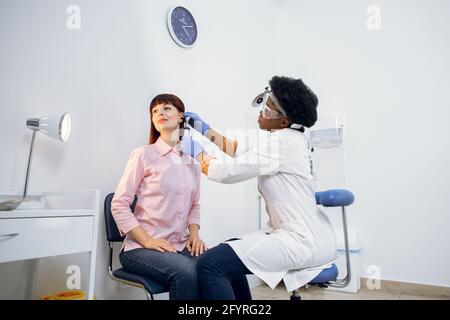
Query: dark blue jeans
[(176, 270), (221, 275)]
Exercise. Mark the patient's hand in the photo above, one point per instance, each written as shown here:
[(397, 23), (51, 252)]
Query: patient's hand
[(195, 245), (160, 245)]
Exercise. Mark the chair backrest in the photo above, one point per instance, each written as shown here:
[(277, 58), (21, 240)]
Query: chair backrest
[(112, 233)]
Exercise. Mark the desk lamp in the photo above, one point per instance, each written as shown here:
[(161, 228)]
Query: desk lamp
[(56, 127)]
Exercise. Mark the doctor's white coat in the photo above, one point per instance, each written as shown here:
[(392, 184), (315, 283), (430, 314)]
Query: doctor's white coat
[(298, 241)]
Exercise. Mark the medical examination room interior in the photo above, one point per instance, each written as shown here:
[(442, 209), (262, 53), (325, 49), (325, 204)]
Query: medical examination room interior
[(77, 79)]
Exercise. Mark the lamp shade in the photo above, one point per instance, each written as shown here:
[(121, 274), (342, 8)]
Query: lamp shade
[(57, 127)]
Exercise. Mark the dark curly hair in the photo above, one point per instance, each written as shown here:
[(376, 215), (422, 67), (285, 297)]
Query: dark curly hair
[(296, 98)]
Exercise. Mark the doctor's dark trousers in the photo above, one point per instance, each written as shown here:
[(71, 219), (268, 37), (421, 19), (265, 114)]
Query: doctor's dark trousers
[(221, 275)]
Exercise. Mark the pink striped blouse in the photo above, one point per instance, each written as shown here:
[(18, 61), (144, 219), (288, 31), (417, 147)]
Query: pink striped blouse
[(167, 184)]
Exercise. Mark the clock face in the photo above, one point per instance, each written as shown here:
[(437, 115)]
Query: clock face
[(182, 26)]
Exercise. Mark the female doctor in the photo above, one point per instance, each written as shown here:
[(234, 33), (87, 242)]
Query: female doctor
[(298, 241)]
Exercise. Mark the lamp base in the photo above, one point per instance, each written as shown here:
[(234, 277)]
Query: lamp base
[(11, 204)]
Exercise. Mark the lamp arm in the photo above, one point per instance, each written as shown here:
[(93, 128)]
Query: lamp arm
[(29, 166)]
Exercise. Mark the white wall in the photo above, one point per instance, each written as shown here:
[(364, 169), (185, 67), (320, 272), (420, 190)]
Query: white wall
[(387, 84), (105, 75), (391, 87)]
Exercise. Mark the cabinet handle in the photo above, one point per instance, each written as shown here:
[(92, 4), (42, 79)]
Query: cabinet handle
[(9, 235)]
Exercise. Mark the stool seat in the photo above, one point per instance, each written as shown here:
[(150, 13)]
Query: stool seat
[(329, 274), (335, 198)]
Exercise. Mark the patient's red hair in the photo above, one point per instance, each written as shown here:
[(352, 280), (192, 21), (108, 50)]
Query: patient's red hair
[(163, 99)]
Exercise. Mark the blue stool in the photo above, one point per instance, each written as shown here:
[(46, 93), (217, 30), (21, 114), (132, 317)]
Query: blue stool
[(328, 277)]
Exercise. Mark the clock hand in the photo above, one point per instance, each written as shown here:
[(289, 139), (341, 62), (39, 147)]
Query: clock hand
[(184, 28), (184, 22)]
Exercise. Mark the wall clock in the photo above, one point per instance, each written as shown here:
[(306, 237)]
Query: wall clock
[(182, 26)]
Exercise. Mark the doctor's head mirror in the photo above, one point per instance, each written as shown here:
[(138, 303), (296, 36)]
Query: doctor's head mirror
[(261, 99)]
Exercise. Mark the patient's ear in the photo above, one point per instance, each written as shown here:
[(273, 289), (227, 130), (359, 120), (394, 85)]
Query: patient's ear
[(284, 123)]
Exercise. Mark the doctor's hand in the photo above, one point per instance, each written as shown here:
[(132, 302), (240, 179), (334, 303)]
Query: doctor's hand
[(195, 245), (204, 163), (197, 123)]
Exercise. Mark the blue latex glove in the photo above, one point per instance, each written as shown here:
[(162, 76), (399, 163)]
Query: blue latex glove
[(197, 123), (190, 147)]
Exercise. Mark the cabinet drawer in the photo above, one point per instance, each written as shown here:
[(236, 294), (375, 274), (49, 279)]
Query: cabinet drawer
[(30, 238)]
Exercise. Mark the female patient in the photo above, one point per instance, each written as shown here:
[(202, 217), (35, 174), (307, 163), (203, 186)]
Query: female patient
[(162, 236)]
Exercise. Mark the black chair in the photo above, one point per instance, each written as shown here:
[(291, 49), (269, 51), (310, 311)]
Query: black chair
[(150, 286)]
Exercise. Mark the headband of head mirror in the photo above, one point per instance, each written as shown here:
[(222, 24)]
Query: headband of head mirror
[(261, 99), (293, 99)]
